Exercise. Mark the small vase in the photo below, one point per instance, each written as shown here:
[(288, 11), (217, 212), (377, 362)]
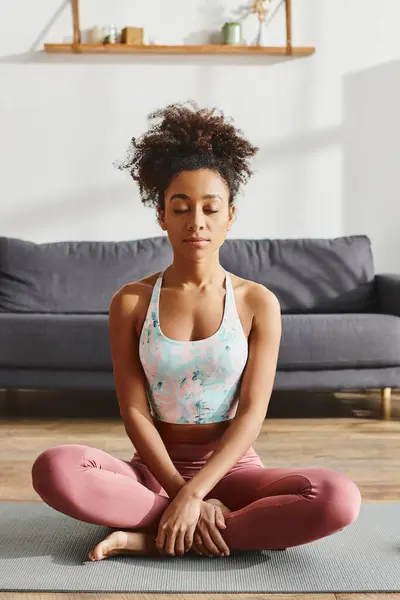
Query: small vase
[(261, 38), (232, 34)]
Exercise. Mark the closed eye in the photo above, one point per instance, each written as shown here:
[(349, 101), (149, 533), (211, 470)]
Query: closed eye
[(184, 211)]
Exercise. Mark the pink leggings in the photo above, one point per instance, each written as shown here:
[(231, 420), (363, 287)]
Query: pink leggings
[(272, 508)]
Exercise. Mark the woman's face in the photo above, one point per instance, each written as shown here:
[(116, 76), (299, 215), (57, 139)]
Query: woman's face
[(196, 206)]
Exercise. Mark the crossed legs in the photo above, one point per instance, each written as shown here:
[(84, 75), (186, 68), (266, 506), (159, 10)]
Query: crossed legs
[(271, 508)]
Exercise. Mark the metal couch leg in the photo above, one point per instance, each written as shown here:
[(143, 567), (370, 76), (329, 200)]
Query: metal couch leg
[(386, 403)]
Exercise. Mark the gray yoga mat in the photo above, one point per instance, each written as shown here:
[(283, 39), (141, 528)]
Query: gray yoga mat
[(44, 550)]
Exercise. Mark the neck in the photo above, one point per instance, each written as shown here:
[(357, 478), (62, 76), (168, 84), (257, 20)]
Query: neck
[(191, 273)]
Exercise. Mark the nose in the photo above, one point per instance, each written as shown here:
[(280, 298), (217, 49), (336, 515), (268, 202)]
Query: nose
[(196, 219)]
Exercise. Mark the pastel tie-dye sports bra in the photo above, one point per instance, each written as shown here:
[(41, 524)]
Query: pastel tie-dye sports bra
[(193, 381)]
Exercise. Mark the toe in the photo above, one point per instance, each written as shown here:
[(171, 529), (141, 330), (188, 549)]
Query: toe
[(100, 551)]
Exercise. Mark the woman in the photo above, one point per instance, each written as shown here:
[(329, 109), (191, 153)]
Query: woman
[(194, 352)]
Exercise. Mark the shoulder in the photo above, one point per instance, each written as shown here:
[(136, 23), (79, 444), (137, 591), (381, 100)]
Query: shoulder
[(266, 310), (256, 296), (261, 298), (133, 294), (262, 307)]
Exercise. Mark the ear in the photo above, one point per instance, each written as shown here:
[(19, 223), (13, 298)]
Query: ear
[(232, 213), (161, 218)]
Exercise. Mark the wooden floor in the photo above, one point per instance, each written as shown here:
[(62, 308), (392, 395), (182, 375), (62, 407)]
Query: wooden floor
[(341, 431)]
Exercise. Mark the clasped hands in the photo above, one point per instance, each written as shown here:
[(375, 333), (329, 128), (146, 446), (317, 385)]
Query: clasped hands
[(189, 523)]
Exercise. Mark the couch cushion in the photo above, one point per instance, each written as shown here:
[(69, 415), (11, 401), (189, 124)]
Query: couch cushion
[(345, 341), (59, 341), (307, 275), (77, 342), (73, 277)]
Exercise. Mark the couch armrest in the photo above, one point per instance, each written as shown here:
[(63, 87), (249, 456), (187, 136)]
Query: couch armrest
[(388, 292)]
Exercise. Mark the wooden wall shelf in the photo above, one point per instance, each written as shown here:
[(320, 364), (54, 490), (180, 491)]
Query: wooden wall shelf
[(77, 48), (184, 49)]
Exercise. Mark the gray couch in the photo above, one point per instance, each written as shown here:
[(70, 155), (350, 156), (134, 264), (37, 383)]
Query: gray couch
[(340, 321)]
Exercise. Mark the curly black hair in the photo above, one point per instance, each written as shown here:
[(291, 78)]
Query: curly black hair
[(184, 137)]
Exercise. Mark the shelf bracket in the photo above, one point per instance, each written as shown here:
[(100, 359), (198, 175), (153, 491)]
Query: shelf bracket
[(288, 11), (75, 22)]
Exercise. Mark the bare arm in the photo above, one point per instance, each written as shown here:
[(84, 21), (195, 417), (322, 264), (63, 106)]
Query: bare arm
[(130, 384), (255, 393)]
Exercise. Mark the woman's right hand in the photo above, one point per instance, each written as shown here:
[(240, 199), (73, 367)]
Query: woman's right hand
[(207, 538)]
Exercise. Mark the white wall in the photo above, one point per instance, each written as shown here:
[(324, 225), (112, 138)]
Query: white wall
[(327, 125)]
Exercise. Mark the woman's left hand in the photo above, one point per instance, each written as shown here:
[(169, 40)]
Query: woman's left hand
[(177, 525)]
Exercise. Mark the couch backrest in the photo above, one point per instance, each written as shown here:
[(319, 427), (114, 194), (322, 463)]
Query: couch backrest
[(307, 275), (74, 277)]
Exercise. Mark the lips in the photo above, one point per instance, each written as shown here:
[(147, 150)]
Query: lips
[(196, 242)]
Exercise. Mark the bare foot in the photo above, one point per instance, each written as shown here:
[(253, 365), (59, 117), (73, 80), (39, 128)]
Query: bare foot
[(224, 508), (137, 543)]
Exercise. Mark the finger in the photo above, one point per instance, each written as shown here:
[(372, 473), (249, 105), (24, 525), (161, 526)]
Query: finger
[(197, 550), (199, 545), (202, 550), (180, 543), (189, 538), (220, 520), (218, 540), (170, 543), (208, 541), (160, 540)]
